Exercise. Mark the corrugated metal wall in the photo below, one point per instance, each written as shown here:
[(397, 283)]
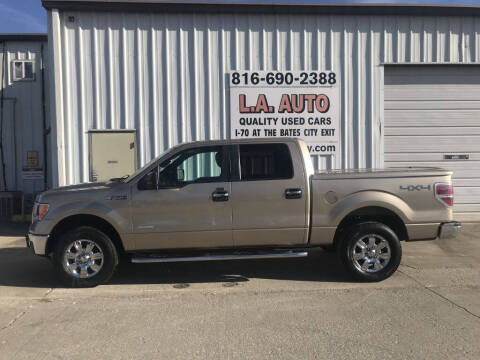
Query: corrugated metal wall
[(22, 115), (166, 74)]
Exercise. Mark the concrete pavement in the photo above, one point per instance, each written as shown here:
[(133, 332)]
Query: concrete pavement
[(270, 309)]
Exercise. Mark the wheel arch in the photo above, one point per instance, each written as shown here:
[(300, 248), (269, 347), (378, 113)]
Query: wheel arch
[(372, 214), (73, 221)]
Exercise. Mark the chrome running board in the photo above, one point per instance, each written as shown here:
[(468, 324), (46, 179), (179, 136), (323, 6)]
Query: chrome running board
[(211, 257)]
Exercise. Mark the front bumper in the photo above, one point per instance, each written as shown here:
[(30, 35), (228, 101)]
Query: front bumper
[(449, 230), (38, 243)]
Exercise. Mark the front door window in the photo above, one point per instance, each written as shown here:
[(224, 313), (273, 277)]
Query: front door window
[(193, 166), (201, 165)]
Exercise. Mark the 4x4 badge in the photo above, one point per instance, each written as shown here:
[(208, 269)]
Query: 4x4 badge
[(415, 187)]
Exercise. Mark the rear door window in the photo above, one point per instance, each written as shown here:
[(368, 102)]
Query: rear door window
[(265, 162)]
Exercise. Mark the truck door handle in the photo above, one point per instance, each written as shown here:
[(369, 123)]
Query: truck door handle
[(293, 194), (220, 195)]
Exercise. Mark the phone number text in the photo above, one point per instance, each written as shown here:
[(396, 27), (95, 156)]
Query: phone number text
[(283, 78)]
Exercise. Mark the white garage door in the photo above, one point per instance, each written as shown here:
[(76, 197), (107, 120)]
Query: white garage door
[(432, 118)]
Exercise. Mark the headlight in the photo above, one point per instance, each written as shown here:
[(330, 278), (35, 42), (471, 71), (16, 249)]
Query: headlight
[(40, 210)]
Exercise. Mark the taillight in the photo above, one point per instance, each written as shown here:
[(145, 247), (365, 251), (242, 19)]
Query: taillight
[(444, 193)]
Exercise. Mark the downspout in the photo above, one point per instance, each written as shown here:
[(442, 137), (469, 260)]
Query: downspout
[(44, 120), (2, 80), (15, 140)]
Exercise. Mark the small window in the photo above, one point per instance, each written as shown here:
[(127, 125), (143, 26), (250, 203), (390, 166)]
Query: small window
[(18, 65), (265, 162), (23, 70), (148, 181)]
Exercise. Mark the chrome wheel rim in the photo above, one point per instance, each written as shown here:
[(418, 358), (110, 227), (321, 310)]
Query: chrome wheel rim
[(83, 259), (371, 253)]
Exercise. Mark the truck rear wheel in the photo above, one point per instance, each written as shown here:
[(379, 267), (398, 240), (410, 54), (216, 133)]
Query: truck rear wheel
[(85, 257), (370, 251)]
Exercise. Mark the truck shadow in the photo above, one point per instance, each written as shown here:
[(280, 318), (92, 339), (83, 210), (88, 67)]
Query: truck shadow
[(20, 268)]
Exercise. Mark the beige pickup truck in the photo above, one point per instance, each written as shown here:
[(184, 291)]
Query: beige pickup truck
[(240, 199)]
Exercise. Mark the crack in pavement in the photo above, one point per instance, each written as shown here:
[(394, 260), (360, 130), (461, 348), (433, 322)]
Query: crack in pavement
[(440, 295), (15, 319), (22, 314), (409, 266)]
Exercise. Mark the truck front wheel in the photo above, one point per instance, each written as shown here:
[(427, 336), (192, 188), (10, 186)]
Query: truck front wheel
[(370, 251), (84, 257)]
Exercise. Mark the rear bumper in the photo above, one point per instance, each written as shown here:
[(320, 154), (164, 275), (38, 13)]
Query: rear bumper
[(38, 243), (431, 231), (449, 230)]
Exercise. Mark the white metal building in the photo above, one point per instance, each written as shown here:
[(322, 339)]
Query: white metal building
[(160, 72), (23, 114)]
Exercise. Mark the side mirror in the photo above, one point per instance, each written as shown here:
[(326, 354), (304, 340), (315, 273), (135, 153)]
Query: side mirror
[(180, 174)]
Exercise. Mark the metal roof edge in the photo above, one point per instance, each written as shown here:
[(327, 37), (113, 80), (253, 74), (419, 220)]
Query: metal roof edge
[(24, 37), (250, 7)]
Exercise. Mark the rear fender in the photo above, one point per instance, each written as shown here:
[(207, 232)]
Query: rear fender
[(364, 199)]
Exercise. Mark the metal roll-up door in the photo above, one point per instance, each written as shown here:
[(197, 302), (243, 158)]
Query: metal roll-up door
[(432, 118)]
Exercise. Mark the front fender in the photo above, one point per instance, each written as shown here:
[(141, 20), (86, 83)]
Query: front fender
[(95, 208)]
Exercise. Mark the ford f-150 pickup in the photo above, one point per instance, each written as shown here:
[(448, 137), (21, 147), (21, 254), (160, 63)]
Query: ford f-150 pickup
[(240, 199)]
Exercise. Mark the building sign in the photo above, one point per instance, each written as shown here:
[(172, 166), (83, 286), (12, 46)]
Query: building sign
[(304, 104), (32, 171), (32, 158)]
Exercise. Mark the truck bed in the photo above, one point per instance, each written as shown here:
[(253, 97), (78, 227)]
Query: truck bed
[(407, 192)]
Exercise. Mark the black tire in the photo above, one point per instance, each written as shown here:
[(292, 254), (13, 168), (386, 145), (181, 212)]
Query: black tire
[(347, 246), (328, 248), (105, 245)]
